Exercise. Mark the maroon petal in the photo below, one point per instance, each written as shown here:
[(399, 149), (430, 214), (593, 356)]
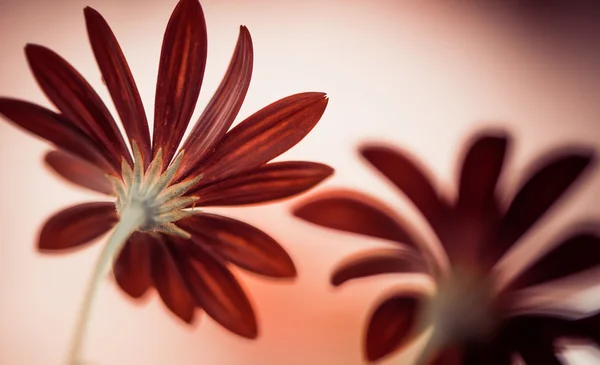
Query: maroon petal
[(575, 254), (119, 81), (354, 212), (78, 171), (265, 135), (240, 243), (538, 194), (217, 291), (182, 63), (77, 101), (54, 128), (377, 262), (267, 183), (538, 352), (222, 108), (169, 281), (391, 326), (449, 356), (77, 225), (403, 172), (132, 266)]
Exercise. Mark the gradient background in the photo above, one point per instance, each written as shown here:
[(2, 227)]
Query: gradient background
[(422, 75)]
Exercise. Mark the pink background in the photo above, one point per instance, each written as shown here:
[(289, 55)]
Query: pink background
[(420, 75)]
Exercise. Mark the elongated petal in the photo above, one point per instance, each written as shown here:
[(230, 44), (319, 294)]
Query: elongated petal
[(132, 267), (391, 326), (119, 81), (538, 194), (78, 171), (269, 182), (403, 172), (354, 212), (217, 291), (222, 108), (77, 225), (575, 254), (180, 74), (265, 135), (169, 282), (480, 171), (54, 128), (378, 262), (77, 101), (240, 243)]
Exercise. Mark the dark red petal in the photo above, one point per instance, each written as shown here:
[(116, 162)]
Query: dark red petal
[(77, 225), (182, 63), (377, 262), (240, 243), (222, 108), (77, 101), (415, 183), (575, 254), (264, 135), (391, 326), (448, 356), (78, 171), (538, 352), (132, 266), (54, 128), (538, 194), (267, 183), (217, 291), (119, 81), (169, 280), (354, 212)]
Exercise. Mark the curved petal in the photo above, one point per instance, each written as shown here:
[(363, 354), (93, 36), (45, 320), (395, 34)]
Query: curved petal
[(415, 183), (119, 81), (354, 212), (78, 171), (264, 135), (170, 281), (77, 101), (537, 195), (391, 326), (240, 243), (222, 108), (269, 182), (54, 128), (217, 290), (575, 254), (180, 74), (377, 262), (132, 267), (77, 225)]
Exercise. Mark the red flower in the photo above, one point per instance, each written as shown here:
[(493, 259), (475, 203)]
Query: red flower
[(475, 319), (175, 247)]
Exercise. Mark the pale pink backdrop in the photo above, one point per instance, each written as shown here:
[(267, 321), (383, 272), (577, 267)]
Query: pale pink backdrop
[(418, 74)]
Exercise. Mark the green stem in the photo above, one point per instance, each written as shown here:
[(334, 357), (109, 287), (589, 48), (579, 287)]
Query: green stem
[(130, 221)]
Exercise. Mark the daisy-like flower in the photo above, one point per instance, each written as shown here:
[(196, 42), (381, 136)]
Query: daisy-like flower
[(477, 318), (162, 238)]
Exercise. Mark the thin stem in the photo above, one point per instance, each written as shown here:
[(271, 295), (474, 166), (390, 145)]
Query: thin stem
[(131, 219)]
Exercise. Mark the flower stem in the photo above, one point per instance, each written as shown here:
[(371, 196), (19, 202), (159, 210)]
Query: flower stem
[(131, 219)]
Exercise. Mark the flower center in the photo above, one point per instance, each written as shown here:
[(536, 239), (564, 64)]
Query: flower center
[(151, 192)]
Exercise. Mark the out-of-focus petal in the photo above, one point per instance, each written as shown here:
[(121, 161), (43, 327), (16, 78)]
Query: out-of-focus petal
[(269, 182), (222, 108), (377, 262), (77, 101), (77, 225), (391, 326), (119, 81), (180, 74), (240, 243), (264, 135), (132, 266), (78, 171)]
